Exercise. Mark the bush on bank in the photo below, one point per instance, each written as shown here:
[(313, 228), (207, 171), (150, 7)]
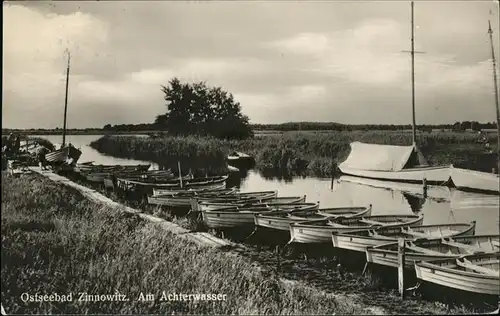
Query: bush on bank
[(297, 152)]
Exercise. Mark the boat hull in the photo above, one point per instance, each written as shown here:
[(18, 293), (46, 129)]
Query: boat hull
[(438, 175), (283, 223), (475, 181), (232, 217), (281, 201), (310, 234), (359, 243), (445, 273), (389, 257)]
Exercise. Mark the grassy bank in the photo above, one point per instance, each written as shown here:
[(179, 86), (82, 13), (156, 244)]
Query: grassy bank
[(299, 152), (55, 241)]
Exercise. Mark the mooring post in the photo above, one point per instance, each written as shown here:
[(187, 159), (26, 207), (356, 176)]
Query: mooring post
[(278, 257), (333, 174), (424, 184), (401, 267)]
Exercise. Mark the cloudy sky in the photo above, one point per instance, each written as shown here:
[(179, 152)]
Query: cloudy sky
[(283, 61)]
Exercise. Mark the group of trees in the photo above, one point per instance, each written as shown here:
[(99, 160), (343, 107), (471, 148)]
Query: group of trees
[(472, 125), (202, 110)]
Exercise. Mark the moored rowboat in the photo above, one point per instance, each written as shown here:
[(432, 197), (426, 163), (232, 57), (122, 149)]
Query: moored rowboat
[(235, 198), (274, 201), (173, 185), (320, 231), (281, 221), (361, 239), (183, 199), (231, 217), (432, 249), (476, 274)]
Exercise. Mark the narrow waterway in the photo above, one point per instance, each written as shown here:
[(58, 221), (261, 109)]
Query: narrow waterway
[(442, 205)]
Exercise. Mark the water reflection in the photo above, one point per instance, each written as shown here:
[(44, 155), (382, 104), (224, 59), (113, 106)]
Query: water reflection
[(438, 204)]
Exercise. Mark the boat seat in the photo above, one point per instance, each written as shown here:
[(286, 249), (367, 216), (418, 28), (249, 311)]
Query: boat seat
[(411, 232), (415, 248), (469, 248), (468, 265), (370, 222)]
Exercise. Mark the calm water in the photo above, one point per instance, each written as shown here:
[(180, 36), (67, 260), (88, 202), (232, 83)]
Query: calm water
[(442, 205)]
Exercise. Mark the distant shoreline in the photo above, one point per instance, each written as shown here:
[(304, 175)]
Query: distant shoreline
[(5, 132)]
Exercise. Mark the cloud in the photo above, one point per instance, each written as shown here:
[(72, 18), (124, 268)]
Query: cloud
[(323, 61)]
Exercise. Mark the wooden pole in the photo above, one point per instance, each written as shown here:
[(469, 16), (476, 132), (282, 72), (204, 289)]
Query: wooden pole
[(180, 175), (490, 31), (401, 267), (66, 101), (414, 131), (424, 183)]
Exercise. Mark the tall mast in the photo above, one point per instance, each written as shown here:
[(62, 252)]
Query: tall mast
[(414, 131), (66, 100), (413, 52), (490, 31)]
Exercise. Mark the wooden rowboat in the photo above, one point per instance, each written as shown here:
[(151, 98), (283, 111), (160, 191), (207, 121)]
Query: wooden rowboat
[(173, 185), (361, 239), (275, 201), (239, 197), (281, 221), (183, 199), (234, 216), (63, 155), (89, 167), (432, 249), (476, 273), (320, 231)]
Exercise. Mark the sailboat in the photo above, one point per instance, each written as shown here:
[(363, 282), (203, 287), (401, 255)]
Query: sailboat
[(67, 154), (395, 163), (471, 180)]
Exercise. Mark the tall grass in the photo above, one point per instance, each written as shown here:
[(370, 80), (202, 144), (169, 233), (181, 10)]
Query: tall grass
[(298, 152), (55, 241)]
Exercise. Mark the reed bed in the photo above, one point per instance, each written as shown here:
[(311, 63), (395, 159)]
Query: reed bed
[(55, 241), (314, 153)]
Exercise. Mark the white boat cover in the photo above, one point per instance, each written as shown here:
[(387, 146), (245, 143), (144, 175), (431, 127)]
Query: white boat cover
[(377, 157)]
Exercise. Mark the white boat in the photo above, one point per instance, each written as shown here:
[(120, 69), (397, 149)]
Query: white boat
[(471, 180), (274, 201), (476, 274), (237, 156), (432, 249), (320, 231), (393, 163), (362, 239), (232, 217), (281, 221)]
